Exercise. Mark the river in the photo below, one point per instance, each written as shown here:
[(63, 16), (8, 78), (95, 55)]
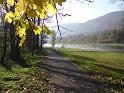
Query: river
[(93, 47)]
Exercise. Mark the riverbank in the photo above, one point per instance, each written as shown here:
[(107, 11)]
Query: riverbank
[(90, 44), (106, 67)]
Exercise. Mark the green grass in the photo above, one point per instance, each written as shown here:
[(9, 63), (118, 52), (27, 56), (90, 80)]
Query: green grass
[(106, 67), (32, 79)]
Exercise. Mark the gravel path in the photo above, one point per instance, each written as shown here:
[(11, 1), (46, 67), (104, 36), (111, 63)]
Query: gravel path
[(64, 77)]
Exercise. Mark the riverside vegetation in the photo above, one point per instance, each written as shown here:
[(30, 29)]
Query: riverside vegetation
[(105, 67)]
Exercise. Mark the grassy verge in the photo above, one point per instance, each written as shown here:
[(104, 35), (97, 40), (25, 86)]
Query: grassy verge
[(17, 79), (106, 67)]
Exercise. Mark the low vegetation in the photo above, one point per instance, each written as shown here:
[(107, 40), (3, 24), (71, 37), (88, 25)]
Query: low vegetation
[(17, 79), (105, 67)]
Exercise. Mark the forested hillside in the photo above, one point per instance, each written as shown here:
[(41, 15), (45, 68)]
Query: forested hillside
[(104, 29), (112, 36), (110, 21)]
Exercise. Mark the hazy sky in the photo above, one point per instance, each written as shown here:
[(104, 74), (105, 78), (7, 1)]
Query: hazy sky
[(83, 12)]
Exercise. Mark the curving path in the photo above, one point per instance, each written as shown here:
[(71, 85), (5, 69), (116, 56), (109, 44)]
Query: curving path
[(64, 77)]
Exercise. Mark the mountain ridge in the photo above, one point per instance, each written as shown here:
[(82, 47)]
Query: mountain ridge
[(110, 21)]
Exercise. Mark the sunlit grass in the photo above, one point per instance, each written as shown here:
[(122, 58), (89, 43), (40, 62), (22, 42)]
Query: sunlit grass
[(106, 67)]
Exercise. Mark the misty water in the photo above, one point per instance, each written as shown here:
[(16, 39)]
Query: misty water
[(93, 47)]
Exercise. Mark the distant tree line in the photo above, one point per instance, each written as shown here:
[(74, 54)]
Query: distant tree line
[(109, 36)]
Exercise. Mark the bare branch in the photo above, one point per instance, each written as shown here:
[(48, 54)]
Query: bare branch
[(64, 14), (64, 28), (58, 27), (58, 22), (80, 1)]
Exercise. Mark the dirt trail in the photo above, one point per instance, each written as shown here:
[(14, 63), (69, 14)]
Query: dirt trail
[(64, 77)]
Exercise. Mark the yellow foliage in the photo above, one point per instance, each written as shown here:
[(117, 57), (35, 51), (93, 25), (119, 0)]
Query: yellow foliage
[(21, 32), (21, 6), (39, 3), (26, 10), (22, 40), (11, 2), (34, 6), (9, 17), (18, 15), (52, 9), (59, 2), (31, 13), (42, 14), (37, 30), (46, 29)]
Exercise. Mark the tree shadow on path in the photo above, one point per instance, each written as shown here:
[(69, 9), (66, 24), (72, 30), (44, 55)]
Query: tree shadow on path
[(66, 77)]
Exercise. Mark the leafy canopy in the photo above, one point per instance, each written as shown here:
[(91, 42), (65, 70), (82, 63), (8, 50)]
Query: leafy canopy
[(21, 13)]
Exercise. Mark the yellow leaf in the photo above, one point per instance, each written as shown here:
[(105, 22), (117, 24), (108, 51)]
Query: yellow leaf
[(46, 29), (42, 11), (9, 20), (59, 2), (34, 6), (21, 32), (32, 24), (42, 15), (37, 30), (27, 24), (23, 25), (18, 15), (9, 17), (38, 2), (31, 13), (21, 6), (22, 40), (10, 2), (52, 9)]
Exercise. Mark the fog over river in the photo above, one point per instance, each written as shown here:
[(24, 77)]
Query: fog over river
[(92, 47)]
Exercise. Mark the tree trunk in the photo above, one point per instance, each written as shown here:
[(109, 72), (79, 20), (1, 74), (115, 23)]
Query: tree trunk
[(14, 54), (5, 46)]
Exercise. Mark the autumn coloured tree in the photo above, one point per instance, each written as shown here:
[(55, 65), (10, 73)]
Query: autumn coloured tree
[(21, 14), (26, 18)]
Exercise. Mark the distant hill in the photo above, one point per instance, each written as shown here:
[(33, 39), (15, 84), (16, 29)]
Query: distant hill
[(111, 21)]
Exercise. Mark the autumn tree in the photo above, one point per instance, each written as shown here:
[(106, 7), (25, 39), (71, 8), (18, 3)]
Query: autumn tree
[(22, 17)]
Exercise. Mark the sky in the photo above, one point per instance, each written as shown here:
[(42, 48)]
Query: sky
[(83, 12)]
